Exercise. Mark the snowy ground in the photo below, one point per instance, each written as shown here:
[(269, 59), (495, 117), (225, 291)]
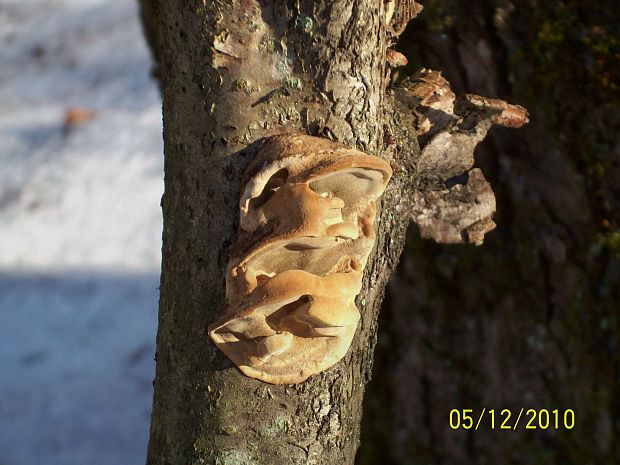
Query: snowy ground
[(80, 233)]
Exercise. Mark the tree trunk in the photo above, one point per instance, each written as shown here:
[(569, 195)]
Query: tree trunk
[(232, 73)]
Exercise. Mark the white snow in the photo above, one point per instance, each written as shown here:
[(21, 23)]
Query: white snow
[(80, 233)]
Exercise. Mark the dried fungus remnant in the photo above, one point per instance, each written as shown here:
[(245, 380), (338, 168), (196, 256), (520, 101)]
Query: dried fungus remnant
[(398, 13), (395, 59), (306, 228), (457, 203)]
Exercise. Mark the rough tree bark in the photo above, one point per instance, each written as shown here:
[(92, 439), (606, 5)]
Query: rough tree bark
[(233, 73)]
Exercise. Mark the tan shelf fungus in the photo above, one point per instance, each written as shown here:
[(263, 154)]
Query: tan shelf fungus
[(306, 228)]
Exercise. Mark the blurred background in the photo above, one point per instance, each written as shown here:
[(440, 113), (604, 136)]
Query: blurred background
[(81, 175), (529, 319)]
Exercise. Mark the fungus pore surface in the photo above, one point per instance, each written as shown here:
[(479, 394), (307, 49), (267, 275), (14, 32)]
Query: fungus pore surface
[(306, 228)]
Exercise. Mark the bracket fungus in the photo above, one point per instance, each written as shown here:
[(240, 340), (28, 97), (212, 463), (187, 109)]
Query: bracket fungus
[(306, 229)]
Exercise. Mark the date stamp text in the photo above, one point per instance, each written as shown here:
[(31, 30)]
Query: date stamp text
[(507, 419)]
